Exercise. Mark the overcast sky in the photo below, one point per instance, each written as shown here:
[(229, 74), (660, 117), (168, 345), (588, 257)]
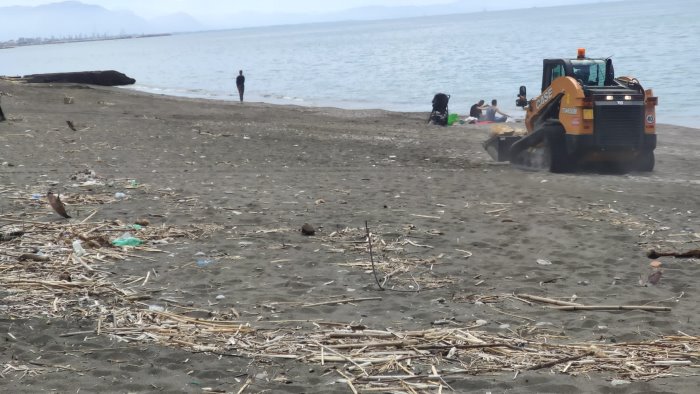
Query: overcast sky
[(199, 8)]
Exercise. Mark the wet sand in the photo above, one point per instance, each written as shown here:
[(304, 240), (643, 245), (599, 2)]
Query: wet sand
[(259, 172)]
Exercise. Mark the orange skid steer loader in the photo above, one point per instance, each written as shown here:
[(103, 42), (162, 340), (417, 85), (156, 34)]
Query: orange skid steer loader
[(583, 115)]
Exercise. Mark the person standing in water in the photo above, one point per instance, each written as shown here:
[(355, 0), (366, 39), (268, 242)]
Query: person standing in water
[(240, 84)]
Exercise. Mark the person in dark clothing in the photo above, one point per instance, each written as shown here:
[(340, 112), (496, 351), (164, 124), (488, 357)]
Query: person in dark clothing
[(240, 84), (475, 111)]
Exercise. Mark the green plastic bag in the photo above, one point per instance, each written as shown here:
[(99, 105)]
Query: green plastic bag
[(130, 241), (452, 118)]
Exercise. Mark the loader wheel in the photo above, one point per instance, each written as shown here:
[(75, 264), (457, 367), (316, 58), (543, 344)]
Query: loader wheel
[(560, 161), (645, 162)]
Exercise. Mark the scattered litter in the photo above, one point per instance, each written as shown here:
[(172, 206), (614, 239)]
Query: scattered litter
[(127, 239), (544, 262), (619, 382), (480, 322), (78, 248), (204, 262)]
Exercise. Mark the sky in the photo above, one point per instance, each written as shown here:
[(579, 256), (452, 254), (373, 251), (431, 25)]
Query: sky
[(201, 8)]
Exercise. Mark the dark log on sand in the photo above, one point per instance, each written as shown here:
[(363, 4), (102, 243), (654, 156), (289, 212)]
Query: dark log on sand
[(102, 78)]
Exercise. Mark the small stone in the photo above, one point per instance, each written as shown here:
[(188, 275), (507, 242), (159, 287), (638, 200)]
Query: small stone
[(619, 382), (142, 222), (308, 229), (654, 277)]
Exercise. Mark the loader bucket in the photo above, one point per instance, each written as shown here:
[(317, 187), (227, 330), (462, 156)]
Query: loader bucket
[(498, 146)]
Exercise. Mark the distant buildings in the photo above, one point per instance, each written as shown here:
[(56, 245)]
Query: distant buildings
[(24, 41)]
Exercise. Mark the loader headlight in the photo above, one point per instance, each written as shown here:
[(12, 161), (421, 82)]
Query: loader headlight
[(609, 98), (628, 97)]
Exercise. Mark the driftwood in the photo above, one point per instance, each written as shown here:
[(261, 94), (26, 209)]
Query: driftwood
[(692, 254), (103, 78)]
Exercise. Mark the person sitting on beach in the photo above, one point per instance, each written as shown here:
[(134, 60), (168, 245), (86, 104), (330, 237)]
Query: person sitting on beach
[(475, 110), (493, 110)]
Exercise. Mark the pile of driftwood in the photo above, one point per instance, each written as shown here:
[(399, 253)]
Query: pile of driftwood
[(388, 360)]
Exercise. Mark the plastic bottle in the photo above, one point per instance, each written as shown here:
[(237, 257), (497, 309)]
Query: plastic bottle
[(127, 239), (78, 250), (204, 262)]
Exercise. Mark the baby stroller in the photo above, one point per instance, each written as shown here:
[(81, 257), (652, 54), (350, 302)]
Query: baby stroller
[(440, 112)]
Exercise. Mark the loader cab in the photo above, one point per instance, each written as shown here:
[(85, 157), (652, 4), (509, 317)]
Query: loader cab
[(589, 72)]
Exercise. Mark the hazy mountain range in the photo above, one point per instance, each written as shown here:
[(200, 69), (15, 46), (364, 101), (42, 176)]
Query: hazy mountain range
[(73, 18)]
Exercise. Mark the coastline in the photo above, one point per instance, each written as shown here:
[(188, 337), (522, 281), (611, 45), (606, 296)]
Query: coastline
[(233, 184), (296, 103)]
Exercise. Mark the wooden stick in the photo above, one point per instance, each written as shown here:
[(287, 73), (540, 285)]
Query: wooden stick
[(612, 308), (361, 334), (245, 386), (561, 360), (348, 380), (673, 362), (344, 357), (371, 257), (89, 216), (342, 301), (70, 334), (548, 300), (374, 344)]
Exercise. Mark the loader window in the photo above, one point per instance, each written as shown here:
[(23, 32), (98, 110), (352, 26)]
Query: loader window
[(589, 72), (557, 71), (552, 72)]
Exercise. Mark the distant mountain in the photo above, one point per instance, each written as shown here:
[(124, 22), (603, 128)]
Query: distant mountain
[(73, 18), (250, 19)]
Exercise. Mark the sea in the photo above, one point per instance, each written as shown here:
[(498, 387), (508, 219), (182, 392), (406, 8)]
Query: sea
[(399, 64)]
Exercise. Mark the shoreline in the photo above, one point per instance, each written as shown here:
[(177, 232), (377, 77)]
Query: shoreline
[(301, 104), (226, 294)]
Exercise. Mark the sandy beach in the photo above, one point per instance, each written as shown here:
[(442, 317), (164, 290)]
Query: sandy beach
[(226, 294)]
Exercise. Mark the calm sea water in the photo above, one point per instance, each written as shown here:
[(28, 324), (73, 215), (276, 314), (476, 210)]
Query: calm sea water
[(401, 64)]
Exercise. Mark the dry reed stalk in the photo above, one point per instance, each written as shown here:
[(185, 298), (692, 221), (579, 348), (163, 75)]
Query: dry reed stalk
[(612, 308)]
